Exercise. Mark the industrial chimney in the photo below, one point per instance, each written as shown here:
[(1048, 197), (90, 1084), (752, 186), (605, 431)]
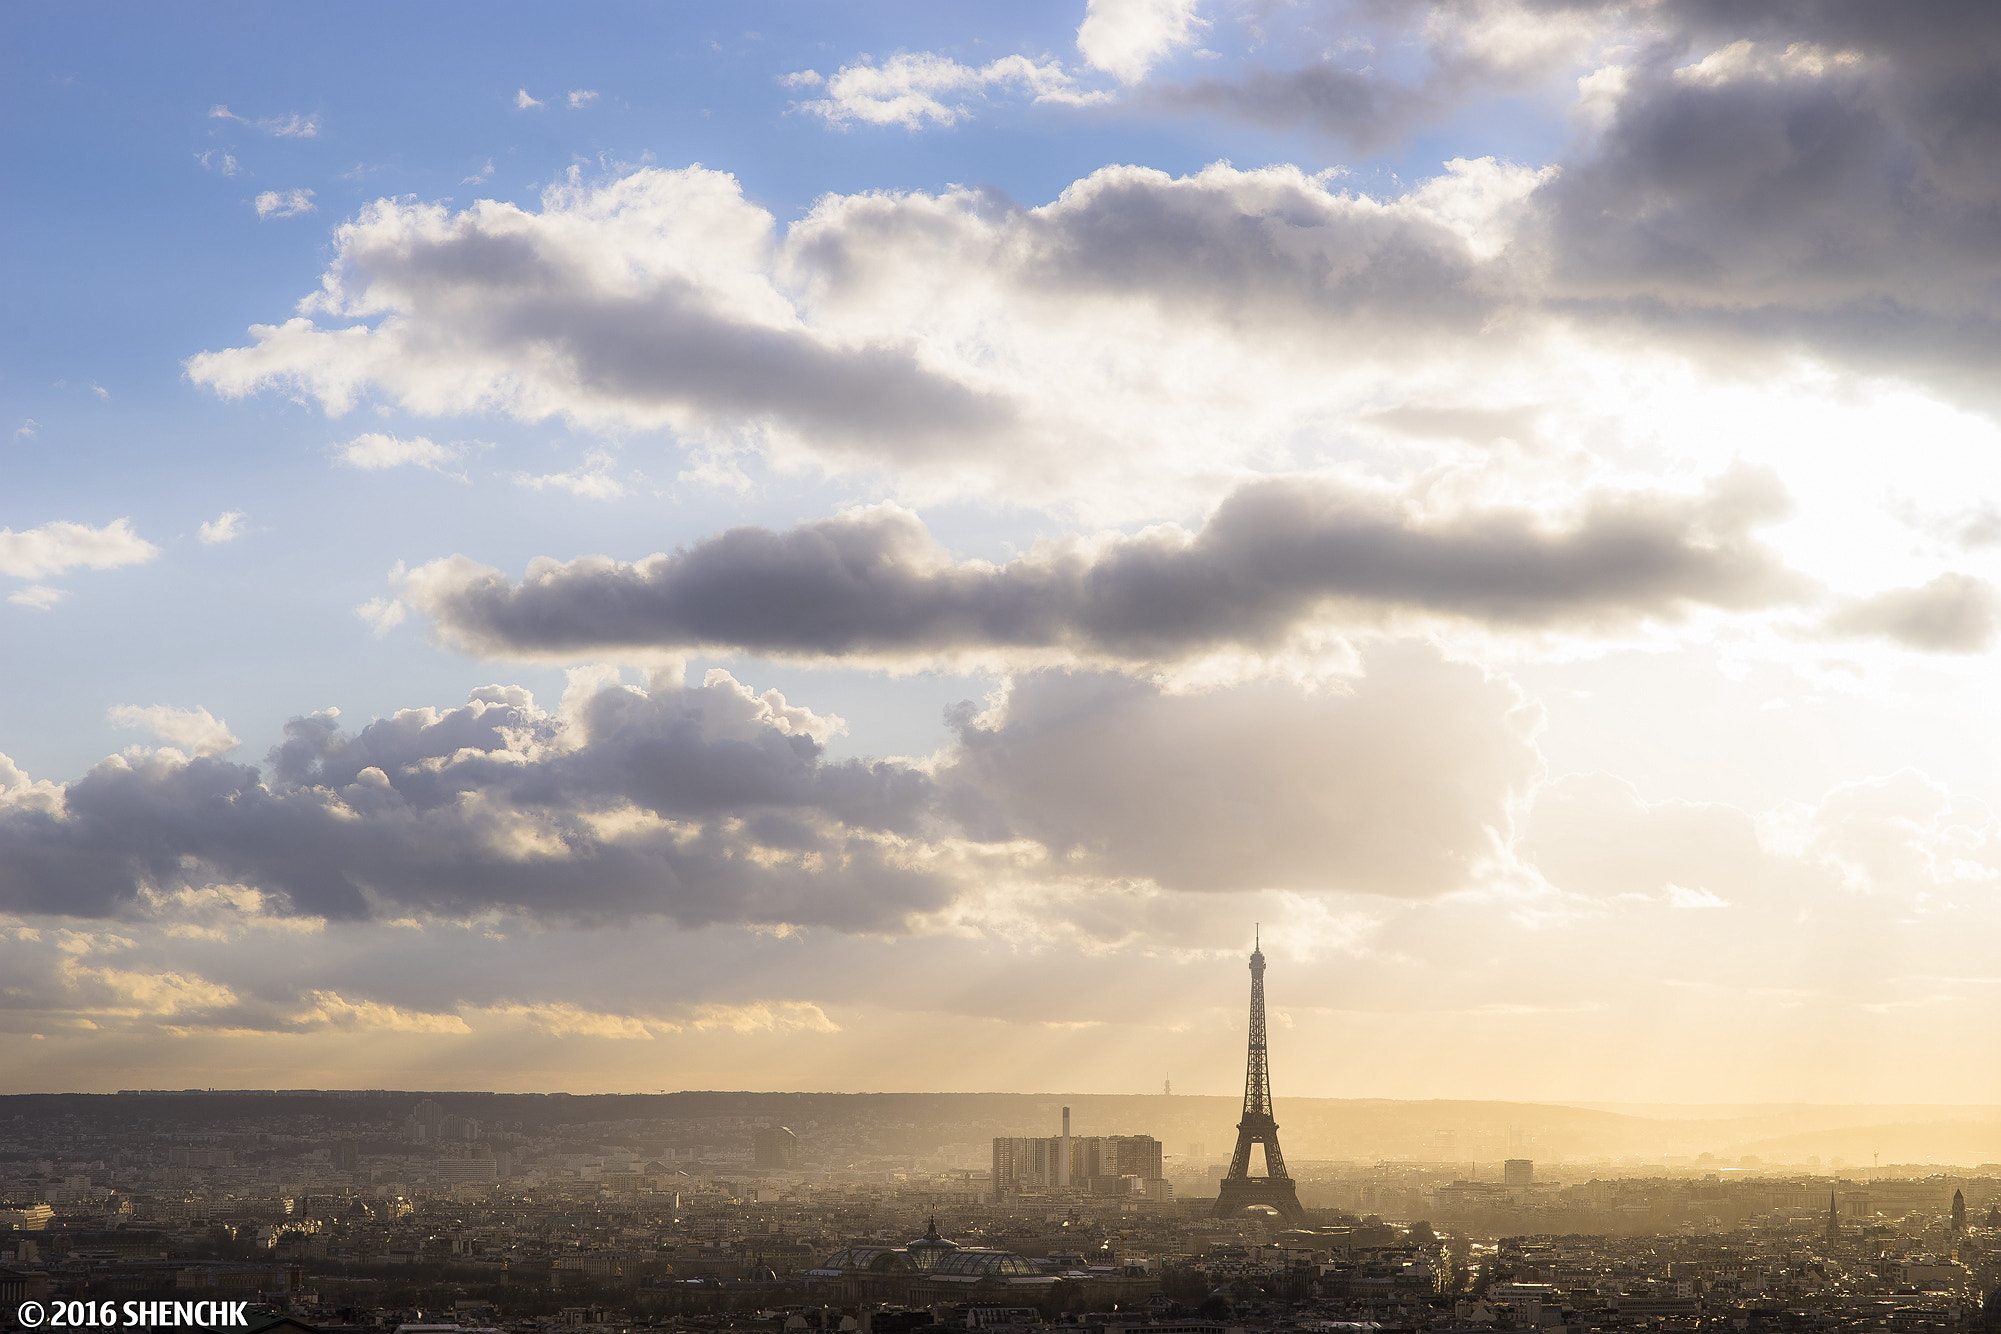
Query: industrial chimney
[(1063, 1153)]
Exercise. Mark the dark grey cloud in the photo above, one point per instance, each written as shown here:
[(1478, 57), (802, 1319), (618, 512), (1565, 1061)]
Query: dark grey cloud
[(1365, 109), (670, 349), (1785, 213), (1387, 69), (713, 805), (1819, 174), (495, 806), (1828, 176), (1954, 613), (1273, 555)]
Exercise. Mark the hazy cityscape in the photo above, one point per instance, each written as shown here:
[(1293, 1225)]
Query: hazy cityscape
[(377, 1210)]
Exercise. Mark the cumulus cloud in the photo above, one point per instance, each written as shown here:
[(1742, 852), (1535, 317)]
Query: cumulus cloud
[(1693, 202), (1954, 613), (1399, 787), (679, 323), (1464, 51), (193, 730), (1274, 556), (375, 452), (716, 804), (524, 102), (1196, 322), (54, 548), (125, 992), (1700, 207), (708, 804), (1126, 38), (215, 160), (284, 204), (582, 97), (911, 88), (959, 342), (224, 527)]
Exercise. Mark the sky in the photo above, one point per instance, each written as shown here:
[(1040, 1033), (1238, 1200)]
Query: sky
[(872, 547)]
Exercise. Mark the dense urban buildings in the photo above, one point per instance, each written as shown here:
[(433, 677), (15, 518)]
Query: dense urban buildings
[(621, 1213)]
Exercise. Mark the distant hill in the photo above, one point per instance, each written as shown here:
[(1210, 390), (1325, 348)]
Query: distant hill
[(1325, 1129)]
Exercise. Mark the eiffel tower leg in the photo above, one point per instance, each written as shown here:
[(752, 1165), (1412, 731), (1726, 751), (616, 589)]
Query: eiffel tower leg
[(1276, 1193)]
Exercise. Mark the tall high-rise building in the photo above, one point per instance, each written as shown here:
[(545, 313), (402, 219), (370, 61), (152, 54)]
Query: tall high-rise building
[(1518, 1172), (776, 1149), (347, 1156), (425, 1121), (1090, 1162)]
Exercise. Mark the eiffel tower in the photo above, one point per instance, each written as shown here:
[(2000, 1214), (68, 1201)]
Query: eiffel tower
[(1240, 1190)]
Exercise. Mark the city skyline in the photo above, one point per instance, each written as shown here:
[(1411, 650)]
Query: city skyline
[(863, 547)]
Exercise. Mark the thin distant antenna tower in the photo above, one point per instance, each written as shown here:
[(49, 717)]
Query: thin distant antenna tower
[(1167, 1087)]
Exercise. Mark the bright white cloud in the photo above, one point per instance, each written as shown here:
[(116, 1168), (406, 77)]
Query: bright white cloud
[(1126, 38), (382, 615), (593, 481), (581, 97), (54, 548), (911, 88), (284, 204), (524, 102), (194, 730), (37, 597), (224, 527), (375, 452)]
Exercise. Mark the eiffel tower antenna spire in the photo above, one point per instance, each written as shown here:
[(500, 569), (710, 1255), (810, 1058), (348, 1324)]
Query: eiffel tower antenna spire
[(1275, 1190)]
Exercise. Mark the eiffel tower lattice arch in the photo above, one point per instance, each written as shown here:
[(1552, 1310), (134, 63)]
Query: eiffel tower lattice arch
[(1275, 1190)]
